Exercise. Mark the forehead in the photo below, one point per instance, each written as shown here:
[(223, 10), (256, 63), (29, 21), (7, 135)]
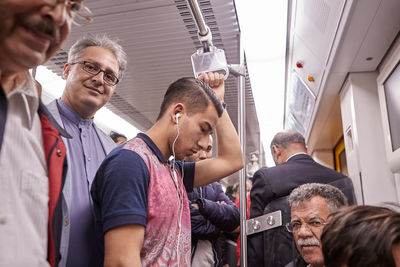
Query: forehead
[(102, 56), (315, 206)]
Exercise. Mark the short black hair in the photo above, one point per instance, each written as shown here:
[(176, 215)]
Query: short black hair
[(193, 93), (229, 190), (114, 136)]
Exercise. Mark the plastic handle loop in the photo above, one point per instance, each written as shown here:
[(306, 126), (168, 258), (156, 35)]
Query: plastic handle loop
[(213, 61)]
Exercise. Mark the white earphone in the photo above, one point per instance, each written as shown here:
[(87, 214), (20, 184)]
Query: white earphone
[(174, 177), (177, 116)]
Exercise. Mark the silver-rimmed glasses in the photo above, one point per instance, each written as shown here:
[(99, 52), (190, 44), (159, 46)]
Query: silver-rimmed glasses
[(314, 224)]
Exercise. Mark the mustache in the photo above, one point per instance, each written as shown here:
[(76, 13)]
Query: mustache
[(311, 241), (45, 26)]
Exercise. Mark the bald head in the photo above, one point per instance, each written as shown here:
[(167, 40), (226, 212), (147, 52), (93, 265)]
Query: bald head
[(286, 143)]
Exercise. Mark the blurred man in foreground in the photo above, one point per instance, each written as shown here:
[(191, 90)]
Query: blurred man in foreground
[(32, 154)]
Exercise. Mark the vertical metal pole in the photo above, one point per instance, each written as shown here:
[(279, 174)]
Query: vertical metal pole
[(242, 173), (198, 16)]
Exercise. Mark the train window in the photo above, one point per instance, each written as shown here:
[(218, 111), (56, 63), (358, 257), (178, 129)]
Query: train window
[(300, 105), (389, 100), (392, 95)]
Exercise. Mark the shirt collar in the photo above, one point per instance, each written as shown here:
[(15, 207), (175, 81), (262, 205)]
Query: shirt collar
[(27, 90), (295, 154), (43, 110), (152, 146), (72, 116)]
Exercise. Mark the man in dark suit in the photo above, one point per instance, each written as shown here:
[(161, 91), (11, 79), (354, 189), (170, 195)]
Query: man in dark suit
[(271, 186)]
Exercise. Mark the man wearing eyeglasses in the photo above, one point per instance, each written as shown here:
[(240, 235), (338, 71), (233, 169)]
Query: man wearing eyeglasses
[(95, 65), (311, 205), (32, 154)]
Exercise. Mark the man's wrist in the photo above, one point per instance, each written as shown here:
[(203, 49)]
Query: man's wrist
[(223, 104)]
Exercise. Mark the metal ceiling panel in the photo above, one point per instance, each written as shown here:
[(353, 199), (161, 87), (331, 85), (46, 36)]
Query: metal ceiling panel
[(159, 37)]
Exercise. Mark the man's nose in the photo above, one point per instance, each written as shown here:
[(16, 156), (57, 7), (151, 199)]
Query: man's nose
[(99, 77), (203, 142), (57, 12), (202, 155), (304, 230)]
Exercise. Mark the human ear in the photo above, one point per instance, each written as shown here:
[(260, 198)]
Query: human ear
[(66, 70), (177, 112), (276, 150)]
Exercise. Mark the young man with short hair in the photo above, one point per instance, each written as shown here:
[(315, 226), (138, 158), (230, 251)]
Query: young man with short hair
[(141, 205)]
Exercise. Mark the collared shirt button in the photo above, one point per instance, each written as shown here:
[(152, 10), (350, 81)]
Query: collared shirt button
[(84, 135), (66, 221), (89, 159), (3, 220)]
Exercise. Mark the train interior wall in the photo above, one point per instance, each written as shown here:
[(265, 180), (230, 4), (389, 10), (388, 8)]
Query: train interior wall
[(363, 134)]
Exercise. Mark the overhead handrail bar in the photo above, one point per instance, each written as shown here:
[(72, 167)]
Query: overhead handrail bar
[(204, 32)]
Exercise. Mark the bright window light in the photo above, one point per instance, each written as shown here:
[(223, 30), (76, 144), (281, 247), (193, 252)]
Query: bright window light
[(53, 87), (263, 27)]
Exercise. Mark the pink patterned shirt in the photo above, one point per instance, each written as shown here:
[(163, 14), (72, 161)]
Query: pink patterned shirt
[(167, 240)]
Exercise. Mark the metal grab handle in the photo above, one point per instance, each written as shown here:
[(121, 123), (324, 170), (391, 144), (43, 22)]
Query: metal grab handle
[(264, 222)]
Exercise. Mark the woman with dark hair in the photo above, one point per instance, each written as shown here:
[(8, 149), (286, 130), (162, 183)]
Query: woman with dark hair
[(362, 236)]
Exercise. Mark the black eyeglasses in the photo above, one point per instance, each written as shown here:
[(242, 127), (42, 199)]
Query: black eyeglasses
[(92, 68), (312, 225)]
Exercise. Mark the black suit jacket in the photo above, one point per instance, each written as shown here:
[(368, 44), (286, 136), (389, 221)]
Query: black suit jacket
[(271, 186)]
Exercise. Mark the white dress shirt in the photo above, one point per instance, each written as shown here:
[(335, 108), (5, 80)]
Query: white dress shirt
[(24, 187)]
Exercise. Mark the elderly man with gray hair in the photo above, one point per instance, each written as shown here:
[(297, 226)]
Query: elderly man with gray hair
[(95, 66), (311, 205)]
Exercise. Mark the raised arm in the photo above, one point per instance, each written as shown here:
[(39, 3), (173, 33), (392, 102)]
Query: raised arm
[(230, 158)]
